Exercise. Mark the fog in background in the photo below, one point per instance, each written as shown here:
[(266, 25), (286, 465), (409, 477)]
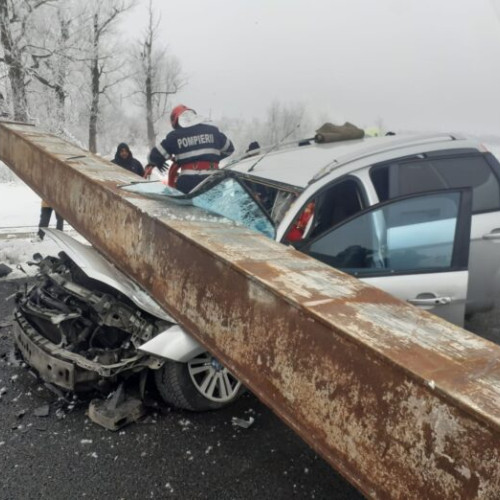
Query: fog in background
[(414, 64), (260, 69)]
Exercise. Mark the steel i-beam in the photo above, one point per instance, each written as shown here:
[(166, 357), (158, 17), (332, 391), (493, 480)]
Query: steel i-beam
[(402, 403)]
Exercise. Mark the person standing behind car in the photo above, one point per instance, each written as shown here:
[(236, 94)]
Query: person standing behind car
[(45, 214), (195, 147), (125, 159)]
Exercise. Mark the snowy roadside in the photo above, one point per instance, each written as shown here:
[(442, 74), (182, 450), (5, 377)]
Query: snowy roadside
[(17, 252), (19, 207), (19, 215)]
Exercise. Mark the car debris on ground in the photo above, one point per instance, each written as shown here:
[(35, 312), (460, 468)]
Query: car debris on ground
[(243, 423), (117, 411), (42, 411)]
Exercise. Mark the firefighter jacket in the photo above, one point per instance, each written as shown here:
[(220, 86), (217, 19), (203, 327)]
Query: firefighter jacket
[(198, 143)]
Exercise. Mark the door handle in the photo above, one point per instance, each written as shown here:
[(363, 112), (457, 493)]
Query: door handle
[(493, 235), (432, 301)]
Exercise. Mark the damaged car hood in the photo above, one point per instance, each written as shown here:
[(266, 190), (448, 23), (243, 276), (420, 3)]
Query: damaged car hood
[(95, 266)]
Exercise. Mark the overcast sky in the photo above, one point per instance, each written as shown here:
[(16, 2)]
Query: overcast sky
[(415, 64)]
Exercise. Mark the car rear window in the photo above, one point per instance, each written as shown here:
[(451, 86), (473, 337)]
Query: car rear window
[(399, 179)]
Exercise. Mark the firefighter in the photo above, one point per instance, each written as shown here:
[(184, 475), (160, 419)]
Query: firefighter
[(195, 147)]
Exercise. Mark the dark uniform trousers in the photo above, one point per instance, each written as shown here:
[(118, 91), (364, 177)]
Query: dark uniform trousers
[(45, 215)]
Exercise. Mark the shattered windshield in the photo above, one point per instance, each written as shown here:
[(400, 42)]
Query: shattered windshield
[(230, 199), (225, 196)]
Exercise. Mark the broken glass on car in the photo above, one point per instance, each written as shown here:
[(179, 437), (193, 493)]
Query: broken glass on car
[(223, 194)]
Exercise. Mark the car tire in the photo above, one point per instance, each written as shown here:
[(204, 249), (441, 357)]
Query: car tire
[(201, 384)]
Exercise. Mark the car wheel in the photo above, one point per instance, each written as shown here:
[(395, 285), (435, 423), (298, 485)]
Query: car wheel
[(201, 384)]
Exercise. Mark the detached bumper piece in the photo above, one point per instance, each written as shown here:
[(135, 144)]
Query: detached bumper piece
[(117, 411)]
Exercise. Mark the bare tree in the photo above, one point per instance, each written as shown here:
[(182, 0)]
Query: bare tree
[(37, 53), (160, 76), (18, 53), (105, 70), (58, 44), (284, 121), (61, 67)]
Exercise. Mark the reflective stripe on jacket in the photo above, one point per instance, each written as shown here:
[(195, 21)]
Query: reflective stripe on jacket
[(200, 142)]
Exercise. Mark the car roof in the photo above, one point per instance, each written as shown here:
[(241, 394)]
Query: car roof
[(298, 165)]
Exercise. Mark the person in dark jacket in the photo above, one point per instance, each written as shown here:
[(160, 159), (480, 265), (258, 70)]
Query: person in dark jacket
[(252, 150), (124, 158), (195, 147)]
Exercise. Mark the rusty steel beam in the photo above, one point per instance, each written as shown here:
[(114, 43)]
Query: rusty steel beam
[(402, 403)]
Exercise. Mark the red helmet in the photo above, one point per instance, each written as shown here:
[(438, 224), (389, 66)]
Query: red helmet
[(176, 112)]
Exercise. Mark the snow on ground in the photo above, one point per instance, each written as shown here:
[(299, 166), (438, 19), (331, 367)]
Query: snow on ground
[(17, 252), (19, 207), (19, 216)]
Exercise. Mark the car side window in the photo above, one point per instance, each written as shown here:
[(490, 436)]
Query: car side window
[(416, 234), (330, 206), (415, 176)]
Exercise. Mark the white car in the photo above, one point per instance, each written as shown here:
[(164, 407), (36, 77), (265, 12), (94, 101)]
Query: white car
[(346, 178), (397, 212)]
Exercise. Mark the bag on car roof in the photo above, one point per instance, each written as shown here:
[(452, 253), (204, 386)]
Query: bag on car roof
[(333, 133)]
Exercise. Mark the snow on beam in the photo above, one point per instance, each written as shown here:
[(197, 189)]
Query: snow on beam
[(402, 403)]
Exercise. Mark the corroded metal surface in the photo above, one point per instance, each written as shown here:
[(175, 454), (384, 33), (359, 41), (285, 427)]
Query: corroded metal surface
[(402, 403)]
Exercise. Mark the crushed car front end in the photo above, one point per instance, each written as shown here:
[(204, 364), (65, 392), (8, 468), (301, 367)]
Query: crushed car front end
[(84, 326), (79, 333)]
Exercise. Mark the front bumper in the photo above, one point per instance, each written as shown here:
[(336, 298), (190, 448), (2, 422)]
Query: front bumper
[(63, 368)]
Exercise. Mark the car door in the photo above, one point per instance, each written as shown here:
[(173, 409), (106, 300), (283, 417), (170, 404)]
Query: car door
[(415, 248), (440, 170)]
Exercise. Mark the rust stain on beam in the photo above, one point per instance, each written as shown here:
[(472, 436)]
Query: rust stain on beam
[(402, 403)]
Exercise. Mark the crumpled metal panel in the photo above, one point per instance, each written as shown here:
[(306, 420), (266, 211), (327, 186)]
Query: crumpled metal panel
[(402, 403), (95, 266)]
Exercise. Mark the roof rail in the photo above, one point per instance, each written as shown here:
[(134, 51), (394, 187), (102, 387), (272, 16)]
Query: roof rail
[(269, 148), (372, 149)]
